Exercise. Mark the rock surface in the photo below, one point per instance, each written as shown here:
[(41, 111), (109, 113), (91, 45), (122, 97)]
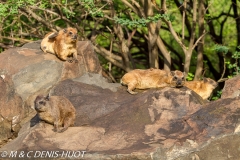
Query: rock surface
[(27, 71), (231, 88), (154, 124), (110, 123)]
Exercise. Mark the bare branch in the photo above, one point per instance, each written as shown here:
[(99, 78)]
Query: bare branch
[(6, 46), (197, 41), (130, 36), (224, 70), (110, 58), (183, 18), (107, 53), (194, 23), (58, 17), (175, 35), (166, 54), (13, 22), (16, 39), (130, 6), (139, 8), (38, 18)]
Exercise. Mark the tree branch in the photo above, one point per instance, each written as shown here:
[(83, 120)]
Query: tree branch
[(106, 55), (130, 6), (6, 46), (197, 41), (58, 17), (38, 18), (17, 39), (175, 35)]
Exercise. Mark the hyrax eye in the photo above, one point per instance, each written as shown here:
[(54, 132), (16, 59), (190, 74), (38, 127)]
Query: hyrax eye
[(41, 102)]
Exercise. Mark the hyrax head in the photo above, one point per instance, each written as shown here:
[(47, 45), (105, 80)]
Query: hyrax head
[(178, 78), (211, 82), (70, 33), (40, 103)]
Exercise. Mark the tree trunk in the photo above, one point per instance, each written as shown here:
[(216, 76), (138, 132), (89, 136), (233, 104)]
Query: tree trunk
[(188, 53), (188, 56), (124, 48), (166, 54), (237, 19), (161, 45), (200, 47), (153, 33), (152, 47)]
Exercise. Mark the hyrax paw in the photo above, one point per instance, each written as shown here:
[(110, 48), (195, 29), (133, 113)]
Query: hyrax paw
[(70, 61), (54, 130), (131, 92), (62, 130)]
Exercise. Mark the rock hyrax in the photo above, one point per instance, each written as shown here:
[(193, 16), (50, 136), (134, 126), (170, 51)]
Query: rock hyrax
[(203, 88), (152, 78), (56, 110), (63, 44)]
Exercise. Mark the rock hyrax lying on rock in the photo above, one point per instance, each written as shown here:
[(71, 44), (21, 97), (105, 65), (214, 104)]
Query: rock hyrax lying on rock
[(152, 78), (56, 110), (203, 88), (63, 44)]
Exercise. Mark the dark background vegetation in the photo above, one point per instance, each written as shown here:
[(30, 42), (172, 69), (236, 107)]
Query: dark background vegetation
[(200, 37)]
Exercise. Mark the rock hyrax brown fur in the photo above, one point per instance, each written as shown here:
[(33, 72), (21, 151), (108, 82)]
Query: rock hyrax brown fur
[(63, 44), (152, 78), (203, 88), (56, 110)]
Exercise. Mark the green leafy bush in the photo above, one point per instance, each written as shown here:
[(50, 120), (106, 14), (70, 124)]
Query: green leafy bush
[(142, 22), (217, 96), (235, 65), (190, 77)]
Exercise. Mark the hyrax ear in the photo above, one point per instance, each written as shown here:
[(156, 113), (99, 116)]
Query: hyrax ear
[(37, 98), (53, 35), (65, 30), (172, 73), (205, 80), (47, 97)]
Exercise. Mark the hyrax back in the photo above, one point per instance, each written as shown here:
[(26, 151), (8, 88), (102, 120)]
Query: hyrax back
[(56, 110), (63, 44), (152, 78), (203, 88)]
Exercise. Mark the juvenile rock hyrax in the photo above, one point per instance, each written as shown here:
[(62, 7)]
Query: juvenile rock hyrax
[(152, 78), (63, 44), (56, 110), (203, 88)]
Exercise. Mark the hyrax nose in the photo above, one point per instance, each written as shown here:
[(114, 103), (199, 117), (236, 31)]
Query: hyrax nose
[(75, 36), (179, 82)]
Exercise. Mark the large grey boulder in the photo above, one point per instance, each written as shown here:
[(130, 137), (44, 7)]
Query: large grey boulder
[(26, 72)]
